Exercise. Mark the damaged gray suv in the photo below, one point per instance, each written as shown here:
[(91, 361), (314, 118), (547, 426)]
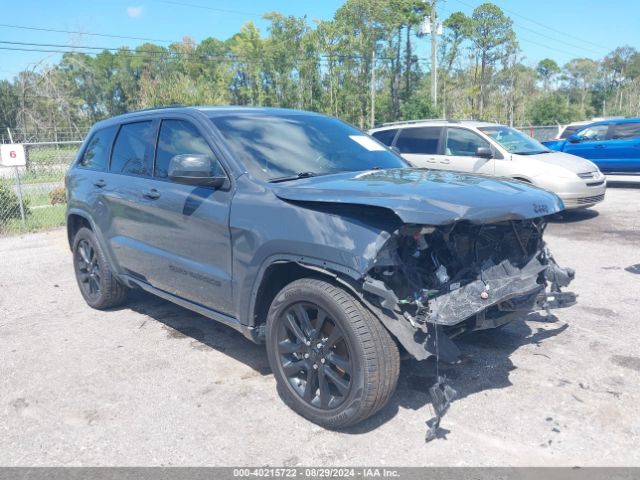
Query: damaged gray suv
[(302, 232)]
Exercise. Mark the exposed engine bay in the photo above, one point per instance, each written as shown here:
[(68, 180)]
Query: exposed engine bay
[(433, 283)]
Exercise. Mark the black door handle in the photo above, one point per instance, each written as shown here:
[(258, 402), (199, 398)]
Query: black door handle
[(599, 146), (152, 194), (100, 183)]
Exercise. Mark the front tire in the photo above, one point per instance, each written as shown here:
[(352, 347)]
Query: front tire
[(335, 364), (98, 284)]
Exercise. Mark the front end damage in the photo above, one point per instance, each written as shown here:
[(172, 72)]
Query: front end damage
[(432, 283)]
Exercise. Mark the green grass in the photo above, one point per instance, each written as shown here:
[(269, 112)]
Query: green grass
[(39, 219)]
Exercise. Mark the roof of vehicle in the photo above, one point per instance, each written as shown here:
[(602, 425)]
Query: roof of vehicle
[(615, 120), (435, 122), (207, 110)]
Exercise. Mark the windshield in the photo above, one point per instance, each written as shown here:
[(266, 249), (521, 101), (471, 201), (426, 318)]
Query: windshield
[(278, 146), (514, 141)]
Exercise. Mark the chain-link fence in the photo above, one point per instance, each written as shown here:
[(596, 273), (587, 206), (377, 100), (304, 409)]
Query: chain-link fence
[(541, 133), (33, 197)]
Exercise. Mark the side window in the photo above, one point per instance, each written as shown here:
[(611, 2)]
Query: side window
[(597, 132), (419, 140), (178, 137), (133, 150), (568, 131), (624, 131), (96, 155), (463, 143), (385, 136)]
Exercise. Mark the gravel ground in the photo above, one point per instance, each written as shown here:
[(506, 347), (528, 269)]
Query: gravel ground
[(154, 384)]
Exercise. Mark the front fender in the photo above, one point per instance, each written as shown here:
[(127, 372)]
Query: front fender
[(342, 239)]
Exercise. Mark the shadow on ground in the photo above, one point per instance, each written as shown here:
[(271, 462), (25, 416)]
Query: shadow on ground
[(206, 333), (624, 184), (572, 216), (485, 364)]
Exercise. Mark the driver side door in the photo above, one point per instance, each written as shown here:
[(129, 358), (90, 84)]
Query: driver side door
[(189, 237), (593, 145)]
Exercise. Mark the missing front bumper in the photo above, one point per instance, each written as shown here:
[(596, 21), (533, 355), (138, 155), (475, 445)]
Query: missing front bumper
[(502, 293)]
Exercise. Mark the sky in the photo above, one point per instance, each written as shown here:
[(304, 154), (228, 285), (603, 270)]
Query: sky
[(558, 29)]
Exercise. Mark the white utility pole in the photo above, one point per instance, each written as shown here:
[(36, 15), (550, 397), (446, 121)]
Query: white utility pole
[(372, 121), (434, 57), (430, 25)]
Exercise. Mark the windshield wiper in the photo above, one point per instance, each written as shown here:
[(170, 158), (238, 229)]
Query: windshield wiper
[(293, 177), (535, 152)]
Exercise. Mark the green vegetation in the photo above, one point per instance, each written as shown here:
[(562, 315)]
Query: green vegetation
[(58, 196), (39, 219), (10, 206)]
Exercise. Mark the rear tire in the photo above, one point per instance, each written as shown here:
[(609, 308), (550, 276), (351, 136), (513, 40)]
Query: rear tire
[(98, 284), (334, 362)]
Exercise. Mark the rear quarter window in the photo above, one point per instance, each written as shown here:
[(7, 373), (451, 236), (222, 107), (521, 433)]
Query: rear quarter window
[(385, 136), (96, 154), (622, 131)]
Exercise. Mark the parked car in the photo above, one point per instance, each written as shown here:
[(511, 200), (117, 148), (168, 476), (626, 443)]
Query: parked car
[(613, 145), (565, 131), (496, 150), (302, 232)]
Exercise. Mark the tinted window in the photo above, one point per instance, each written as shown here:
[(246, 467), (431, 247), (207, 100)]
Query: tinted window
[(385, 136), (133, 150), (569, 130), (419, 140), (273, 146), (178, 137), (626, 130), (96, 155), (463, 142), (597, 132)]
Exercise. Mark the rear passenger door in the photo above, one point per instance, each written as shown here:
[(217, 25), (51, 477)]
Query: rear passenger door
[(421, 146), (124, 217), (189, 232), (460, 148), (623, 148)]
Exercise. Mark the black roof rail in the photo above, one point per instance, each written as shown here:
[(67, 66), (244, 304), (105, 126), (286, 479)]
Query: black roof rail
[(160, 107)]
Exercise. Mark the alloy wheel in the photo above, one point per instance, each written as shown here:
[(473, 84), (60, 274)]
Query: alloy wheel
[(314, 355), (88, 268)]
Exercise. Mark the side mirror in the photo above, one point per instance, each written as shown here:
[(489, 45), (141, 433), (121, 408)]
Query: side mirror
[(575, 138), (484, 152), (195, 169)]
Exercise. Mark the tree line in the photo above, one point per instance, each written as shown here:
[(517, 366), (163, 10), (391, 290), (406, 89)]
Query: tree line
[(363, 66)]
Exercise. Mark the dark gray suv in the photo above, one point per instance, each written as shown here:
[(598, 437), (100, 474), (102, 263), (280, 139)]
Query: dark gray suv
[(302, 232)]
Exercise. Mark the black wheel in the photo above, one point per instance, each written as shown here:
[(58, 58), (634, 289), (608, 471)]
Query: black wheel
[(98, 285), (334, 362)]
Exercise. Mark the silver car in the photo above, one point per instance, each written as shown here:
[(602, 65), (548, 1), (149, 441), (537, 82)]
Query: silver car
[(496, 150)]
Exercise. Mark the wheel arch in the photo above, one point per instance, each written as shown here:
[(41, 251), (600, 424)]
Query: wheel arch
[(76, 219), (278, 273)]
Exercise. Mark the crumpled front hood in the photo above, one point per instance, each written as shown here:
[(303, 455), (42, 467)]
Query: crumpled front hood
[(560, 159), (428, 197)]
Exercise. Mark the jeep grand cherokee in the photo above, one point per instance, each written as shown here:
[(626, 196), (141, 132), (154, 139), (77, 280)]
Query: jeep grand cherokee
[(302, 232)]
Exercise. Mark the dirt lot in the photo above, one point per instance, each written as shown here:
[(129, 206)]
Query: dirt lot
[(153, 384)]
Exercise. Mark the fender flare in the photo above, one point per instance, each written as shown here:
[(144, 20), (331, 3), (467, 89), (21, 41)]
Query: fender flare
[(344, 275), (96, 230)]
